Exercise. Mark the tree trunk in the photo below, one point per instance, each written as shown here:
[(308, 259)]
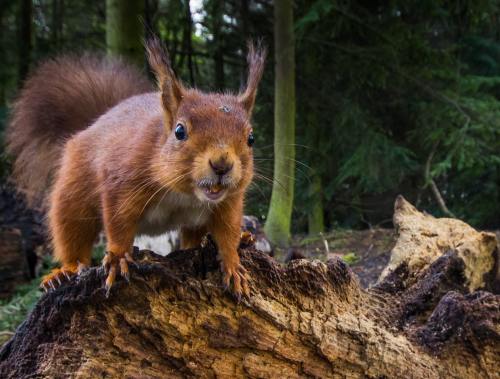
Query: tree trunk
[(124, 29), (57, 23), (3, 52), (315, 218), (314, 135), (305, 319), (217, 22), (245, 34), (25, 38), (188, 42), (280, 211)]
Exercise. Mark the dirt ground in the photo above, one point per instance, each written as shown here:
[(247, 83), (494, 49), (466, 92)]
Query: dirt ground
[(366, 251)]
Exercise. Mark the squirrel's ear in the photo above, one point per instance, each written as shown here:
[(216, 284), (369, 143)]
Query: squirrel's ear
[(171, 88), (256, 59)]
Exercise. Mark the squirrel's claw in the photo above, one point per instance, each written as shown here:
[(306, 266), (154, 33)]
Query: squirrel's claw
[(239, 276), (57, 277), (124, 269), (110, 279), (51, 284), (111, 264), (81, 267)]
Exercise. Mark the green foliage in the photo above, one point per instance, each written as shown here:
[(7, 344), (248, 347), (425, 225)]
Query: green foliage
[(482, 54), (98, 253), (350, 258), (403, 84), (14, 311), (376, 164)]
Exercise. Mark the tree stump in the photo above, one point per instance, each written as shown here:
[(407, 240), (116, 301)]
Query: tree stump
[(304, 319)]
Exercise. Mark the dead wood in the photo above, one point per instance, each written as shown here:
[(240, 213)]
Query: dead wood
[(304, 319)]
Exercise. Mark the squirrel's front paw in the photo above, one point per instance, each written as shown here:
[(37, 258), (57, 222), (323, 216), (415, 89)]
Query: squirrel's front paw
[(235, 271), (111, 263), (59, 275)]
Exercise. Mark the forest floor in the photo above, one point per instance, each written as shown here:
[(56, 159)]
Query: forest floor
[(366, 251)]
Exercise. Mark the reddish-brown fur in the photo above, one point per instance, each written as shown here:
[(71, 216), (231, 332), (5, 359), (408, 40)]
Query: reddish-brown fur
[(128, 169), (60, 98)]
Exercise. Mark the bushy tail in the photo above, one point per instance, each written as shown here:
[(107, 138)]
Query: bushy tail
[(61, 97)]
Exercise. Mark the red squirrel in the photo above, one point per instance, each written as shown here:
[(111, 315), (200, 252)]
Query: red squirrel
[(117, 157)]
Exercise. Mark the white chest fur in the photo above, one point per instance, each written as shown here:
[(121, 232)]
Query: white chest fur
[(173, 211)]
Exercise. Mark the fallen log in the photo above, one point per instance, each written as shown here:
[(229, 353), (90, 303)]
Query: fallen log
[(304, 319)]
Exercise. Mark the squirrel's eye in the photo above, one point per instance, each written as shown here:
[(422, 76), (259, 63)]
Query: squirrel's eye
[(251, 139), (180, 132)]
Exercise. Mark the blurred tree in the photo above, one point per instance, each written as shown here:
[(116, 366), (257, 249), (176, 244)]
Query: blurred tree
[(312, 133), (124, 29), (25, 38), (57, 23), (218, 47), (280, 211), (3, 76), (187, 42), (315, 220)]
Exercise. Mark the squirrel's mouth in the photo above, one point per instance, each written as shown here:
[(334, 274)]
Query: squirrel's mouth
[(213, 192)]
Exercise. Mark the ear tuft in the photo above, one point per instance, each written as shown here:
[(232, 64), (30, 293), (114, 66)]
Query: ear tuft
[(256, 59), (171, 88), (158, 58)]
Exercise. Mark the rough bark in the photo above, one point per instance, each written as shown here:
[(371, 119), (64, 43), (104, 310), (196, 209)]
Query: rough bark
[(305, 319)]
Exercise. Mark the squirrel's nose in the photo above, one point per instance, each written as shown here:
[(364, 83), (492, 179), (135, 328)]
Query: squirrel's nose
[(221, 166)]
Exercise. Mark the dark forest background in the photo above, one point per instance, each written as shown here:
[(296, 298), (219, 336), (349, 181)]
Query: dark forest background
[(392, 97)]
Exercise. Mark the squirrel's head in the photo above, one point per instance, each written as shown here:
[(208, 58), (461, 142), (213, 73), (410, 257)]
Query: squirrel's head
[(208, 136)]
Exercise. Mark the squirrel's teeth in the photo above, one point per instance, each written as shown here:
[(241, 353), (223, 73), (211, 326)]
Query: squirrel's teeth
[(215, 188)]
